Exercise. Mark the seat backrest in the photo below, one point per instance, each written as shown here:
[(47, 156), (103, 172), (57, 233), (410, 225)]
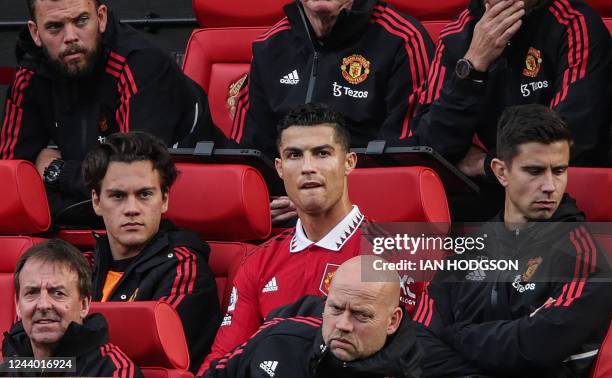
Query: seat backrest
[(150, 333), (591, 189), (216, 59), (399, 194), (23, 211), (227, 205), (233, 13)]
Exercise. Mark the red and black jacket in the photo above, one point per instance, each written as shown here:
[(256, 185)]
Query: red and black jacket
[(173, 267), (134, 86), (561, 57), (370, 68), (546, 320), (88, 343)]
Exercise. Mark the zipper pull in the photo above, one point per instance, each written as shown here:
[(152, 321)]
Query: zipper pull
[(315, 61)]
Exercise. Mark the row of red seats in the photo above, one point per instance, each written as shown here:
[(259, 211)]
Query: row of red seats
[(229, 223)]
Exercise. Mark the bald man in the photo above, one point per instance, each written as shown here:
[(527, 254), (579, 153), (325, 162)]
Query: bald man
[(358, 330)]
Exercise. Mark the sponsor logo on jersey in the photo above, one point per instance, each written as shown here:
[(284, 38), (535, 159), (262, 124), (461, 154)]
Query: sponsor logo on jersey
[(355, 68), (270, 286), (520, 287), (269, 367), (227, 320), (233, 300), (291, 78), (340, 90), (328, 274), (533, 62)]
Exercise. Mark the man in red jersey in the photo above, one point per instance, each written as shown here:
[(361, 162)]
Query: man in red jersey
[(314, 164)]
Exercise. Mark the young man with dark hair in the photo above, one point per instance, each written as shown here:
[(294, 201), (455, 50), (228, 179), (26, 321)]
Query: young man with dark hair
[(548, 318), (143, 258), (314, 164), (52, 295), (83, 76)]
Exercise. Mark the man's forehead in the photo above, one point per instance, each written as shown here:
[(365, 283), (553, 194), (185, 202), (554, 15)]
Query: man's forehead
[(57, 9), (37, 272), (136, 175), (304, 137), (540, 154)]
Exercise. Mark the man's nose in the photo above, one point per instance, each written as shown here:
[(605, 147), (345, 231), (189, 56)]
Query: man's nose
[(70, 34), (308, 165), (44, 302), (548, 183), (344, 323), (132, 206)]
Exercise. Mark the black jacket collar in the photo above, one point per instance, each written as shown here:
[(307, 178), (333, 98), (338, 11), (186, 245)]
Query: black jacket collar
[(78, 339)]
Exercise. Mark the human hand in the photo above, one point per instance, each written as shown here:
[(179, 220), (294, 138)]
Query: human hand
[(45, 157), (472, 164), (282, 209), (492, 33)]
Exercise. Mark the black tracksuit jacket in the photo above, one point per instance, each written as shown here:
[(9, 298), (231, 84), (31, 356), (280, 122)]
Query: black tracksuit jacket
[(569, 51), (173, 268), (88, 343), (135, 86), (291, 67), (294, 347), (546, 320)]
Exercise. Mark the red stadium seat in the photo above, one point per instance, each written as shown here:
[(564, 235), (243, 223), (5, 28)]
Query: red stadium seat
[(150, 333), (591, 189), (233, 13), (216, 58), (23, 211), (399, 194)]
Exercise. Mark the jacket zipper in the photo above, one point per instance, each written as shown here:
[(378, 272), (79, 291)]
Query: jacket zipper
[(313, 77)]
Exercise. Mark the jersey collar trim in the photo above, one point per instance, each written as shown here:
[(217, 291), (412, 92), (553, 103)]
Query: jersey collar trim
[(335, 239)]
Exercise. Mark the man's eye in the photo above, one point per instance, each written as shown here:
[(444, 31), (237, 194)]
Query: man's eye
[(323, 153), (117, 196), (362, 316), (54, 27), (534, 171), (82, 20), (559, 171), (146, 194), (293, 155)]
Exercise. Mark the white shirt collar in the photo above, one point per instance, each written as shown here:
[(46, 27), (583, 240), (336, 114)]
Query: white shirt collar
[(335, 239)]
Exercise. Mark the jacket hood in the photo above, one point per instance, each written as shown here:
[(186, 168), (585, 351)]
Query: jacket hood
[(78, 340), (349, 23), (399, 357), (32, 57)]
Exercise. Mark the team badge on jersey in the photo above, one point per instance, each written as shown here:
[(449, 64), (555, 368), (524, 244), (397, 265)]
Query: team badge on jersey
[(533, 62), (532, 266), (103, 123), (355, 68), (328, 274)]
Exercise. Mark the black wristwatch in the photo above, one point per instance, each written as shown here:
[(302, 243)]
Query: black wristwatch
[(465, 70), (52, 173)]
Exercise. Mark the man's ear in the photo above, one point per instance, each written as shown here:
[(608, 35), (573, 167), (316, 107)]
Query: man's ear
[(500, 169), (278, 164), (350, 163), (166, 201), (33, 28), (395, 320), (102, 18), (95, 201), (85, 303)]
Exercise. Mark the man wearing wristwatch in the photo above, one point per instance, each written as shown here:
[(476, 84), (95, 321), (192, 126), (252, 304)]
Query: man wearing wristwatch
[(83, 76), (499, 53)]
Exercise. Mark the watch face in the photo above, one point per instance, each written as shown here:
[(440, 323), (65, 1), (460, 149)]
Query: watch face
[(462, 69)]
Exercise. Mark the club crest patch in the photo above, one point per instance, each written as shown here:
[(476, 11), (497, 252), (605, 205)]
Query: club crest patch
[(328, 274), (355, 68), (532, 266), (533, 62)]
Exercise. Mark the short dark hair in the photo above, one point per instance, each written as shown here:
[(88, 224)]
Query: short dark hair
[(528, 123), (314, 115), (32, 5), (58, 251), (128, 148)]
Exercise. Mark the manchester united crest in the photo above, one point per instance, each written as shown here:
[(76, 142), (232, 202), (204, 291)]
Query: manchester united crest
[(533, 61), (103, 123), (330, 270), (532, 266), (355, 68)]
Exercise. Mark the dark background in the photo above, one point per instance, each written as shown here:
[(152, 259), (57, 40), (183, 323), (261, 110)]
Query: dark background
[(171, 39)]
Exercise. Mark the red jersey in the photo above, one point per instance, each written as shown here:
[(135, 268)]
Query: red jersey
[(284, 269)]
